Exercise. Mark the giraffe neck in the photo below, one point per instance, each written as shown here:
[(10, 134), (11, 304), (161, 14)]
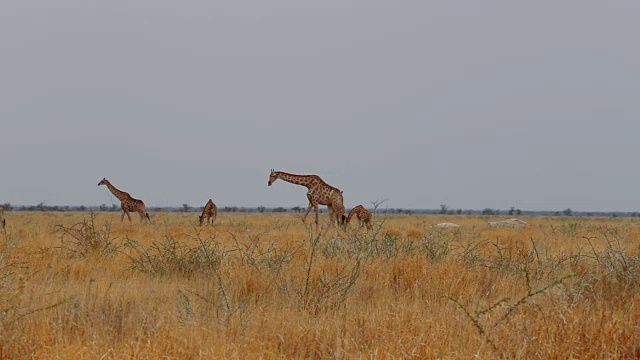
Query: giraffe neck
[(351, 213), (349, 216), (305, 180), (121, 195)]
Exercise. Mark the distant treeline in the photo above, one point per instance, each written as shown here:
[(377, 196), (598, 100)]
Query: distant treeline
[(444, 210)]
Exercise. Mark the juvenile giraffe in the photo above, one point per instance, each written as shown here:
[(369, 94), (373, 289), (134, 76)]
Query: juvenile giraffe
[(363, 215), (210, 211), (127, 203), (320, 193)]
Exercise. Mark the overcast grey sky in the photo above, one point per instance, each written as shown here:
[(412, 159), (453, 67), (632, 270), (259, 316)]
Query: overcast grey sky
[(472, 104)]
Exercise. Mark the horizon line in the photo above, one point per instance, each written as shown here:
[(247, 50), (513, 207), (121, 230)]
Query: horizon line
[(429, 210)]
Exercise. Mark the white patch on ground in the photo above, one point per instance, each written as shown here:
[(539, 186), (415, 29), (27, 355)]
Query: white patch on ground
[(512, 223), (446, 225)]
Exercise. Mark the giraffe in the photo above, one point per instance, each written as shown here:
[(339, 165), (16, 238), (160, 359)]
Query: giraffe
[(319, 193), (363, 215), (2, 219), (210, 211), (127, 203)]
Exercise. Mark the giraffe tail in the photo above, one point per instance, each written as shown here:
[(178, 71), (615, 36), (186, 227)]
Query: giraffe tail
[(147, 215)]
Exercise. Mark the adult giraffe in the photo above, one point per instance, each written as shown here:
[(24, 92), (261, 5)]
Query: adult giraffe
[(127, 203), (320, 193), (210, 211)]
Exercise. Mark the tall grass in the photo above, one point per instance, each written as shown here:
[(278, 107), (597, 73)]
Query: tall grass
[(269, 286)]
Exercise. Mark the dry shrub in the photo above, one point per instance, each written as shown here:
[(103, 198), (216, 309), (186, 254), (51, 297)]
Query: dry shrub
[(86, 238), (173, 257)]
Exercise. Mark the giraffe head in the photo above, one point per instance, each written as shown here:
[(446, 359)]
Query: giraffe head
[(273, 176), (104, 181), (201, 217)]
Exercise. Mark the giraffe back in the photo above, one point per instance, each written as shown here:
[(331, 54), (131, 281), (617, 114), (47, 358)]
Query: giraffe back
[(133, 205)]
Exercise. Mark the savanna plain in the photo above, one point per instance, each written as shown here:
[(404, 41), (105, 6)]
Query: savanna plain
[(84, 285)]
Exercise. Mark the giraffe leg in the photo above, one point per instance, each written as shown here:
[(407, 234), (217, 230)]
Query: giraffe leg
[(339, 218), (333, 216), (304, 217), (142, 216), (317, 217), (128, 216), (122, 217)]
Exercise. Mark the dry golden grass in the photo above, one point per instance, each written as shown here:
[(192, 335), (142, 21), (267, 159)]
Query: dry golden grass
[(265, 286)]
